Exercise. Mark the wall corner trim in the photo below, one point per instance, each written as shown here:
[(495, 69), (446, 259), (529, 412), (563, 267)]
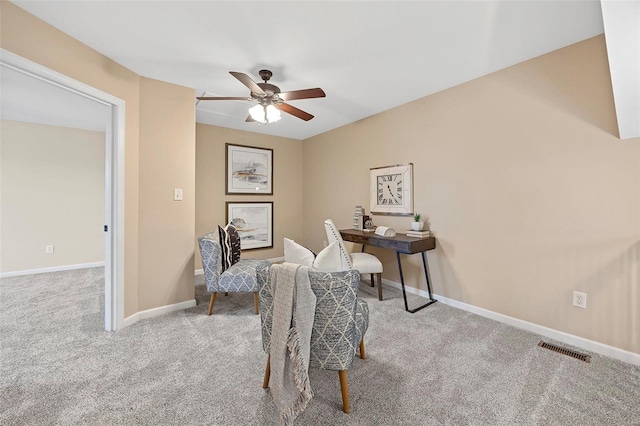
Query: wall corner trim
[(570, 339), (161, 310)]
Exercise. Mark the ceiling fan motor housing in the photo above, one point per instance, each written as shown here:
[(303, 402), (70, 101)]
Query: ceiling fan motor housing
[(271, 90), (269, 87)]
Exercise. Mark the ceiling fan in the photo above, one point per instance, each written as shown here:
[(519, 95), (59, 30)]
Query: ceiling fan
[(270, 99)]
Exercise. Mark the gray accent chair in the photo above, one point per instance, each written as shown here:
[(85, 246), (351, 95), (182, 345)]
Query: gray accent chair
[(240, 277), (341, 320)]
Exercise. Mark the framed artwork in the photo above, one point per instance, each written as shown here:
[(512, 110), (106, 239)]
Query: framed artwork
[(254, 222), (391, 190), (249, 170)]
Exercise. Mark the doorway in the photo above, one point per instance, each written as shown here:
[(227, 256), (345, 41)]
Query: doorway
[(113, 228)]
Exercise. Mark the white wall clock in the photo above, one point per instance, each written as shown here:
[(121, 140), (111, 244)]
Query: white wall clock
[(391, 189)]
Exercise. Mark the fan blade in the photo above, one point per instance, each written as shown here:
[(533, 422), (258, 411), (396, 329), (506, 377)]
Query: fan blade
[(295, 111), (246, 80), (249, 119), (222, 98), (302, 94)]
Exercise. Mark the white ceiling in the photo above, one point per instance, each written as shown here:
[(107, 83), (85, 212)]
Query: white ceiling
[(367, 56)]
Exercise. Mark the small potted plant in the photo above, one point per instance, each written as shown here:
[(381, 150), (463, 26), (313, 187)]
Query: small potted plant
[(417, 223)]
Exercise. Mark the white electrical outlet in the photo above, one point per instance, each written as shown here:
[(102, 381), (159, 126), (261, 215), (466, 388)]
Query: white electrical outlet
[(177, 194), (580, 299), (49, 249)]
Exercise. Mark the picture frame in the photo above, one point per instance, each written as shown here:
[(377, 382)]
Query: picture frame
[(253, 221), (248, 170), (391, 190)]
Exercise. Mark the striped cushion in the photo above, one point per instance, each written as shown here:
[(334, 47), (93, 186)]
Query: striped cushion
[(230, 244)]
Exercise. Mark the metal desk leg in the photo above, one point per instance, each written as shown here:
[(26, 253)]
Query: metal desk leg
[(426, 275), (404, 292)]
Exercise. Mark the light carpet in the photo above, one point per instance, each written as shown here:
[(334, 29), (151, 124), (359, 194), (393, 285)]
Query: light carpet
[(440, 366)]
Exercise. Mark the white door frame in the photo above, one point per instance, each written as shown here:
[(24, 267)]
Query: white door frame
[(114, 179)]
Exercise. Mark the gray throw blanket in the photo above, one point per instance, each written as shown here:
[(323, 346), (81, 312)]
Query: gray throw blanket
[(293, 311)]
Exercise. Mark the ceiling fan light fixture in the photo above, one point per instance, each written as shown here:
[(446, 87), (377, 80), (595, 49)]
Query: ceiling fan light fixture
[(265, 114), (273, 114)]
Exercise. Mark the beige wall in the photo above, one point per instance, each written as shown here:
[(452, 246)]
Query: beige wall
[(52, 193), (167, 161), (31, 38), (526, 185), (210, 181)]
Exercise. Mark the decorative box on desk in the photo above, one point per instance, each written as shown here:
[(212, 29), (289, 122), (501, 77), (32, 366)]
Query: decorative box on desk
[(400, 244)]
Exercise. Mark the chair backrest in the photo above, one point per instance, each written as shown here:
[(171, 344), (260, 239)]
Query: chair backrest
[(335, 337), (210, 251), (334, 235)]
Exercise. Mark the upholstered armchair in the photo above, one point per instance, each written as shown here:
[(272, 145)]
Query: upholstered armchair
[(240, 277), (339, 325)]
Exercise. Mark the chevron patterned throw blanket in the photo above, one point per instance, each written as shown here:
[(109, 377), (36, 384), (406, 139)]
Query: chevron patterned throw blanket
[(294, 307)]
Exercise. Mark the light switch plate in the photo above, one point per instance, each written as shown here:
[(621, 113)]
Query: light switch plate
[(177, 194)]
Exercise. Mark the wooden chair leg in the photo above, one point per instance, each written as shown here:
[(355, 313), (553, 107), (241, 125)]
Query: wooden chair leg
[(371, 283), (267, 373), (344, 388), (211, 301), (257, 300), (379, 275), (363, 355)]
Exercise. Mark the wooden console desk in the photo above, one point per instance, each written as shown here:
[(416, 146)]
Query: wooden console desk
[(401, 244)]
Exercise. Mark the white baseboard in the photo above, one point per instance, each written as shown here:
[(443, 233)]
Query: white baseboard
[(570, 339), (272, 260), (50, 269), (154, 312)]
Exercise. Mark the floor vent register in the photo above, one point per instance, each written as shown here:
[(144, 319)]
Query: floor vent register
[(565, 351)]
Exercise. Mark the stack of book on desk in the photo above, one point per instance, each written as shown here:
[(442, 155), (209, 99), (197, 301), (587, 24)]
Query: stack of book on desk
[(418, 234)]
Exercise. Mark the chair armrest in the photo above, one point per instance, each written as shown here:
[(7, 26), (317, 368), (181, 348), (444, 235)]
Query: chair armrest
[(210, 252), (335, 334), (265, 293), (362, 319)]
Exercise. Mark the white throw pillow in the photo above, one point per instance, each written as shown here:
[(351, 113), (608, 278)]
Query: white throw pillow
[(329, 259), (295, 253)]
